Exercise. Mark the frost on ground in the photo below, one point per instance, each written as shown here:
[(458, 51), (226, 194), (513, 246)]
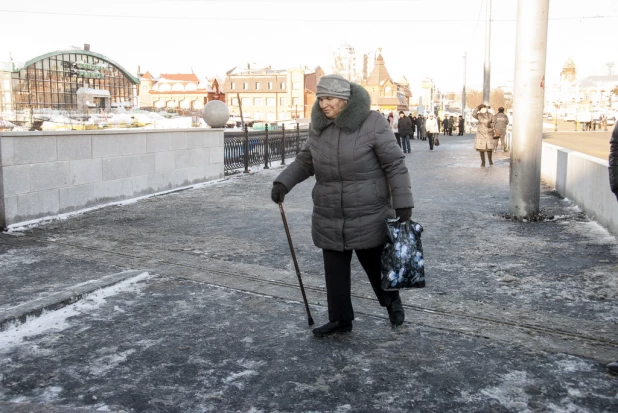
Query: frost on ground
[(58, 320)]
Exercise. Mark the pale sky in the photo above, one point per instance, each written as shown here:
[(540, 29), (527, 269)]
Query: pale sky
[(418, 38)]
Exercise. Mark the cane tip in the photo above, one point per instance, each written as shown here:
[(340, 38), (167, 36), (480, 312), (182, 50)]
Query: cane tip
[(311, 321)]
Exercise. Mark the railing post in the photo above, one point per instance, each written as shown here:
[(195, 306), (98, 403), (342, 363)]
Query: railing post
[(267, 146), (297, 138), (246, 149), (283, 145)]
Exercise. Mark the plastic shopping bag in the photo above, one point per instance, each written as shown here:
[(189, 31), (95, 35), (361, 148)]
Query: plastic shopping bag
[(403, 265)]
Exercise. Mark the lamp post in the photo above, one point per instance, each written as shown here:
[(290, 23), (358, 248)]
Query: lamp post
[(556, 107)]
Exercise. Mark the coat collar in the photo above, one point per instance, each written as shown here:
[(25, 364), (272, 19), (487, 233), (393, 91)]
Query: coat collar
[(351, 117)]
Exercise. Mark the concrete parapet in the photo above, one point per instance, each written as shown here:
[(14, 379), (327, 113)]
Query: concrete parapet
[(43, 174), (584, 180)]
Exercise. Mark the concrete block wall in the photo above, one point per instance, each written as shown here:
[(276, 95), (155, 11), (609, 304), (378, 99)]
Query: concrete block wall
[(584, 180), (44, 174)]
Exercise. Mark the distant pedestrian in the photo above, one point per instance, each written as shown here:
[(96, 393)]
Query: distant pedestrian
[(361, 179), (419, 126), (461, 125), (413, 123), (444, 126), (432, 130), (405, 129), (501, 121), (439, 123), (395, 126), (450, 126), (484, 141), (423, 128)]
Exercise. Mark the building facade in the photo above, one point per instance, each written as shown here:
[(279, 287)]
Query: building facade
[(184, 92), (386, 95), (67, 80), (267, 94), (579, 99)]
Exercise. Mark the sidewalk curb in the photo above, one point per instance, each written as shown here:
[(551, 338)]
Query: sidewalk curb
[(20, 314)]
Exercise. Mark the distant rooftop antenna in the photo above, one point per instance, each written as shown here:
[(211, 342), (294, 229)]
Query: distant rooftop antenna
[(610, 67)]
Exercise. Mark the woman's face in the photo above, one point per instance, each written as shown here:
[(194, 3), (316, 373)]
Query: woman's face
[(331, 106)]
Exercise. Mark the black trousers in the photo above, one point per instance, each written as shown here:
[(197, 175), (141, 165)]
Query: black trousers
[(431, 137), (338, 281)]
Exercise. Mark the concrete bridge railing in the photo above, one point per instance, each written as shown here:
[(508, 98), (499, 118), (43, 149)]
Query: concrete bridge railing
[(45, 174), (584, 180)]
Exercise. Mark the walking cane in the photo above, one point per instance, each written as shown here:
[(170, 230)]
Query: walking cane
[(300, 281)]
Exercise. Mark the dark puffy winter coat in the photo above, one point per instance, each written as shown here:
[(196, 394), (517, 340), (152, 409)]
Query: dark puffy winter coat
[(360, 173), (613, 161), (501, 121), (405, 126)]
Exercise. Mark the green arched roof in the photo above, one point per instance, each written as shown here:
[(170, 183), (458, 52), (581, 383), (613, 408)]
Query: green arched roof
[(133, 79)]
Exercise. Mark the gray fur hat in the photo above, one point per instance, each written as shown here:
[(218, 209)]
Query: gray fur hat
[(335, 86)]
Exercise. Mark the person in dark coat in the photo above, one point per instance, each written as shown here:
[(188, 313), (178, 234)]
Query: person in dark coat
[(462, 124), (413, 123), (613, 184), (419, 127), (405, 129), (361, 179), (613, 161), (444, 126)]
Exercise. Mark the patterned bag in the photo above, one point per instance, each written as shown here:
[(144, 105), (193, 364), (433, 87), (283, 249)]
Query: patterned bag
[(402, 258)]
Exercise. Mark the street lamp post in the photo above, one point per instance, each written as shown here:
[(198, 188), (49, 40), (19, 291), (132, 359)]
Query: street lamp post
[(556, 106)]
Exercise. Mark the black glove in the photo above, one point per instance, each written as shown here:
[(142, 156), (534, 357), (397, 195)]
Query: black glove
[(404, 214), (278, 192)]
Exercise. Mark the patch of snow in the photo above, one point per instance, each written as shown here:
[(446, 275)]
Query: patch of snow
[(511, 393), (57, 320)]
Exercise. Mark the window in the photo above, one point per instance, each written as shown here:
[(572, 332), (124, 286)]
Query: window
[(232, 86), (270, 101), (283, 101), (257, 85), (258, 101), (295, 85), (282, 85), (245, 85), (295, 101), (246, 101), (144, 87), (234, 102), (270, 86)]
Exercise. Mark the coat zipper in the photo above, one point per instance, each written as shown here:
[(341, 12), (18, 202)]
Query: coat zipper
[(341, 183)]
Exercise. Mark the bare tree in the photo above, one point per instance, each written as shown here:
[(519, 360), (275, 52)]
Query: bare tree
[(473, 98)]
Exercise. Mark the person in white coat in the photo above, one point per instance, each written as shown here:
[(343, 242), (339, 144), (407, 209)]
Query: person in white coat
[(431, 126)]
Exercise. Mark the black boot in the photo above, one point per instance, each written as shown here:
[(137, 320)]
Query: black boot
[(482, 158), (395, 312), (333, 327), (489, 156)]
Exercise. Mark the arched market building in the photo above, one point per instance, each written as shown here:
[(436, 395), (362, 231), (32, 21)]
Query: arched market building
[(68, 80)]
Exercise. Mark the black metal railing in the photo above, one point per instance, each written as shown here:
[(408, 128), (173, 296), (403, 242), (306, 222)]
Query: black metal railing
[(243, 149)]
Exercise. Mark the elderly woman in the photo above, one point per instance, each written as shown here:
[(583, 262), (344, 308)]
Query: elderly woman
[(361, 180), (484, 142)]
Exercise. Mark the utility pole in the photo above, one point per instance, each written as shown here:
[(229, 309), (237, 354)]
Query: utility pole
[(463, 92), (486, 72), (528, 97)]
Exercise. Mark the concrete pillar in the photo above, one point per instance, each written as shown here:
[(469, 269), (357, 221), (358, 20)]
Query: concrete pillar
[(528, 97)]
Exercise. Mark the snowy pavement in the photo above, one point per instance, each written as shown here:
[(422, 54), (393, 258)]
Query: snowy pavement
[(516, 317)]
